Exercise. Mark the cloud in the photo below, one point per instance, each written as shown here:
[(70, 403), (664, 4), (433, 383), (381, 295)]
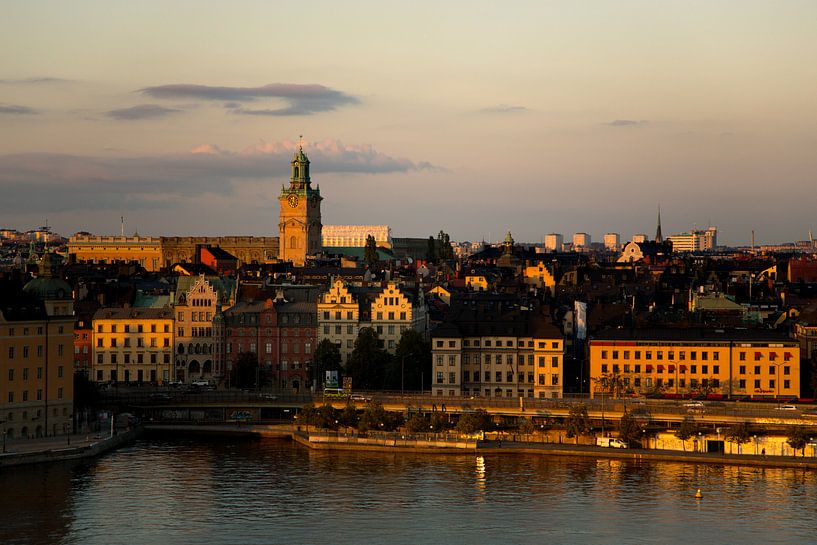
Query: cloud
[(301, 99), (80, 183), (504, 109), (627, 123), (33, 81), (142, 111), (15, 109)]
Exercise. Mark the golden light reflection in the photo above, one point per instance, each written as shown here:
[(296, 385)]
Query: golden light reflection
[(481, 481)]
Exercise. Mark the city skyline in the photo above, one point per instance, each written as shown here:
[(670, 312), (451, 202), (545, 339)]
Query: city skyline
[(471, 119)]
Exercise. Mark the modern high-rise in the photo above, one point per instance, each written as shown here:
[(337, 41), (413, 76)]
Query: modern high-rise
[(553, 242), (695, 240), (612, 241), (581, 241)]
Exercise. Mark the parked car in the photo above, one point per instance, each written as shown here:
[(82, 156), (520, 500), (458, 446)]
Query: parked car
[(787, 408), (201, 383), (360, 398), (610, 442), (692, 406)]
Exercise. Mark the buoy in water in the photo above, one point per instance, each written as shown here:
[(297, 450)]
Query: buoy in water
[(698, 494)]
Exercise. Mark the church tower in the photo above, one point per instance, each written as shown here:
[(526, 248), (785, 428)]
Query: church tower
[(299, 226)]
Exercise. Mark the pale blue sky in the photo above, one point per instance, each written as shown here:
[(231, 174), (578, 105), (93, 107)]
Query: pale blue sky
[(471, 117)]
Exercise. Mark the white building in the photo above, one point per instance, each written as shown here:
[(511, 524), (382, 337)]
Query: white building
[(334, 236), (639, 238), (581, 241), (612, 241), (695, 240), (553, 242)]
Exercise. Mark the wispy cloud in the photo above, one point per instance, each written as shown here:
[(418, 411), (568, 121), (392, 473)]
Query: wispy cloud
[(503, 109), (627, 123), (73, 183), (33, 81), (302, 99), (142, 111), (16, 109)]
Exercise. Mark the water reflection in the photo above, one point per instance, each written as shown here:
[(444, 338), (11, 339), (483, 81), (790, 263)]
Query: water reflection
[(275, 492)]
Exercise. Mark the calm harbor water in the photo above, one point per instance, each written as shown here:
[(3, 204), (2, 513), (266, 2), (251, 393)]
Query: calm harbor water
[(162, 491)]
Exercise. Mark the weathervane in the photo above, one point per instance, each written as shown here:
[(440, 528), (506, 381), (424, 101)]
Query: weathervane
[(301, 143)]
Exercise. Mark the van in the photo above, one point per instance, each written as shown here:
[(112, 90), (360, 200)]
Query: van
[(610, 442)]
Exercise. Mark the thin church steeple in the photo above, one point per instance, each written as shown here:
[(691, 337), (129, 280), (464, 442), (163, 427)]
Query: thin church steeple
[(658, 236)]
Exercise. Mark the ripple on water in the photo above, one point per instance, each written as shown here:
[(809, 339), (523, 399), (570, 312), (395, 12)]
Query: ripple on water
[(188, 492)]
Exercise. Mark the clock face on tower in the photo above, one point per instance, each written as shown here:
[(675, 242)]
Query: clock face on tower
[(293, 200)]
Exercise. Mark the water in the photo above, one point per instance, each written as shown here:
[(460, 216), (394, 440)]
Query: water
[(267, 492)]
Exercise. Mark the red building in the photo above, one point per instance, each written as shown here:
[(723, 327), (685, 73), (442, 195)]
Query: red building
[(83, 335), (219, 260), (280, 334)]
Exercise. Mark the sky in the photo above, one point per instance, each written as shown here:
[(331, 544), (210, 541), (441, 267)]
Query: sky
[(475, 118)]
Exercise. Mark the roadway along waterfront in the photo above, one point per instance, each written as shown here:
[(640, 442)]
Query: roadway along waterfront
[(665, 412), (184, 491)]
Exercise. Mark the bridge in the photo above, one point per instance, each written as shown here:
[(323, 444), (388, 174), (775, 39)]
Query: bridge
[(171, 405)]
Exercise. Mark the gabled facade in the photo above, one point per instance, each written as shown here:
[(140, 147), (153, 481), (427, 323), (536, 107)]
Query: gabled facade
[(389, 311), (197, 303)]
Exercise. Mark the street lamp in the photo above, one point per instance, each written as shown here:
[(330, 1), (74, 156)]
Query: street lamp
[(700, 442), (754, 438)]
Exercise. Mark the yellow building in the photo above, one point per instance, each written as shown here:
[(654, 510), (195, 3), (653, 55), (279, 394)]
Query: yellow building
[(299, 225), (147, 251), (481, 352), (133, 345), (389, 311), (730, 362), (36, 355), (540, 277)]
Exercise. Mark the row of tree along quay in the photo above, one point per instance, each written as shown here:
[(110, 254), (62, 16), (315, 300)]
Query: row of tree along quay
[(577, 428)]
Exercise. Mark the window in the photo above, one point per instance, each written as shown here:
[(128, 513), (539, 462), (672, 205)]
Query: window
[(509, 376), (648, 355), (498, 376), (742, 384), (439, 377), (757, 369), (554, 380), (705, 369), (786, 370), (693, 369), (541, 361), (554, 361), (113, 343), (615, 354), (742, 370), (452, 378), (716, 369), (541, 379), (604, 368), (693, 355), (604, 354), (716, 356), (704, 356), (60, 371), (742, 356)]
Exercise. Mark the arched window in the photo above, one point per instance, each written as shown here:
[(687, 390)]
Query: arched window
[(181, 348), (297, 172)]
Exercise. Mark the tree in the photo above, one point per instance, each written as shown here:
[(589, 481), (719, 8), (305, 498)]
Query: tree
[(327, 358), (411, 361), (478, 420), (417, 423), (577, 423), (348, 416), (738, 434), (85, 392), (525, 426), (246, 372), (797, 438), (628, 429), (325, 417), (368, 361), (370, 252), (431, 251), (375, 417), (686, 430), (444, 249), (611, 384)]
